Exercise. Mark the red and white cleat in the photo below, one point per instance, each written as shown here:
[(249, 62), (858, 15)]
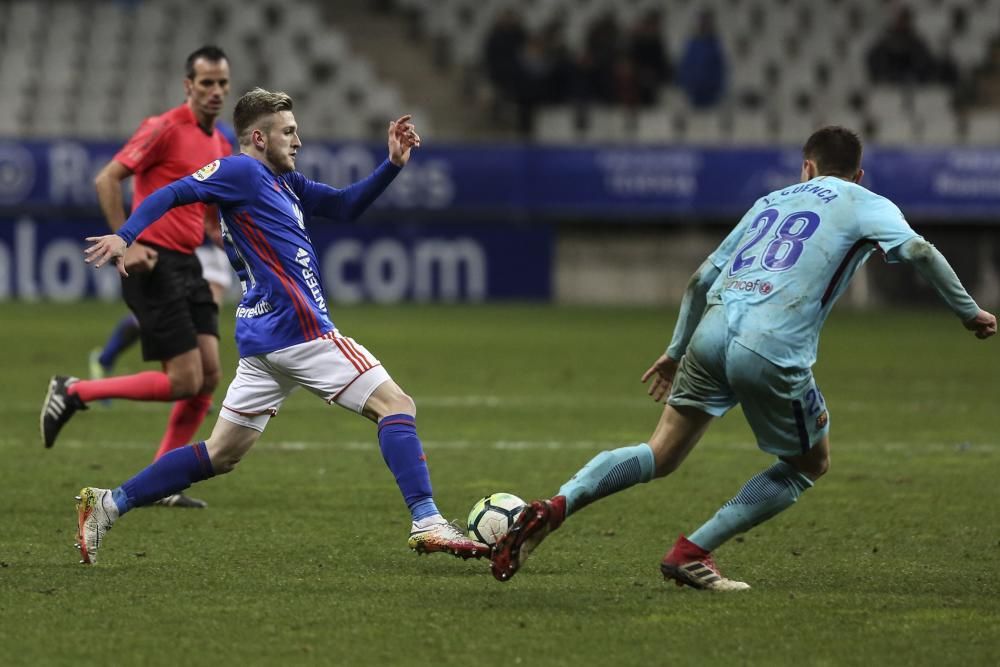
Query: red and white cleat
[(688, 564), (532, 526)]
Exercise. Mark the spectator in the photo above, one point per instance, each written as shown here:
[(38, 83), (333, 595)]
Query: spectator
[(599, 62), (503, 48), (648, 53), (702, 70), (900, 55)]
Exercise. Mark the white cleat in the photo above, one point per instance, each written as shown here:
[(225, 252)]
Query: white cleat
[(445, 537), (96, 512)]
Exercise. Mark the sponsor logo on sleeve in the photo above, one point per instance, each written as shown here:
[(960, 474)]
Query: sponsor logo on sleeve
[(206, 171)]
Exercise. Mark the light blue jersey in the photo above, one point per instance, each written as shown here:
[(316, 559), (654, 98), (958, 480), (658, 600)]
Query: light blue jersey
[(792, 255)]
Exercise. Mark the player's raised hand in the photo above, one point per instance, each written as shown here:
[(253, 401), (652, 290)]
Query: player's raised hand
[(104, 249), (983, 324), (662, 371), (402, 137)]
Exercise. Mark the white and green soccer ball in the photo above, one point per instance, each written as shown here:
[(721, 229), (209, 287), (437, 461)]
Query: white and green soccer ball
[(492, 517)]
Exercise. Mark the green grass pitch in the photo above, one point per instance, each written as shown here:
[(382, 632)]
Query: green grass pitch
[(301, 558)]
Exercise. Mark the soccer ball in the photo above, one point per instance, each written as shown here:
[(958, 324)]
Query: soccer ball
[(492, 517)]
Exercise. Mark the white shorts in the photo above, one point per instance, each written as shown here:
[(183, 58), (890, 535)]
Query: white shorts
[(333, 367), (215, 266)]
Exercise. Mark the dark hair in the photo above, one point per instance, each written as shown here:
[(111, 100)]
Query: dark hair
[(835, 150), (249, 108), (208, 52)]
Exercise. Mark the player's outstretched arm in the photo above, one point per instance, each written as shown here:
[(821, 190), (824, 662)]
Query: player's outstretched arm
[(932, 265), (113, 246), (349, 203)]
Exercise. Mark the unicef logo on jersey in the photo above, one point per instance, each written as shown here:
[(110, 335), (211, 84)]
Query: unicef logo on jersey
[(761, 286), (17, 173)]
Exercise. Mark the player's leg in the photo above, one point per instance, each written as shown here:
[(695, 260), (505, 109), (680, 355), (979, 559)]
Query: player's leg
[(253, 397), (403, 453), (699, 393), (123, 336), (98, 509), (188, 414), (678, 431), (341, 371), (159, 300), (789, 419)]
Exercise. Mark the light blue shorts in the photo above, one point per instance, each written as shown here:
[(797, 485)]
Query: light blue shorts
[(783, 406)]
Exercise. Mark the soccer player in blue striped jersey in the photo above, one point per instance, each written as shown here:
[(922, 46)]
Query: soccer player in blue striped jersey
[(747, 333), (284, 333)]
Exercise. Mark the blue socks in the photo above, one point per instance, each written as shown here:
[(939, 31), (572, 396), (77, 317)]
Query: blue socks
[(403, 453), (607, 473), (766, 494), (169, 474), (125, 333)]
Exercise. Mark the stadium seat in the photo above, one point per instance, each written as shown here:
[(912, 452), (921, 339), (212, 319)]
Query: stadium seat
[(983, 128), (556, 125)]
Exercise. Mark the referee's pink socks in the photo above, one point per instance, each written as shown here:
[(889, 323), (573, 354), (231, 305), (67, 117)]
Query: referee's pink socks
[(185, 418), (145, 386)]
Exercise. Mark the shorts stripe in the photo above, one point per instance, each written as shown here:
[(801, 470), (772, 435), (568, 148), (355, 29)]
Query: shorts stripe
[(347, 347), (357, 365), (800, 426), (361, 355)]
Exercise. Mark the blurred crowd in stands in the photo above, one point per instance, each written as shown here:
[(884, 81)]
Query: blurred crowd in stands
[(630, 66)]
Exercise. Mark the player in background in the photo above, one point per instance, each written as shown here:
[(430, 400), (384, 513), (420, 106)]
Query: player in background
[(284, 333), (178, 319), (747, 333), (215, 269)]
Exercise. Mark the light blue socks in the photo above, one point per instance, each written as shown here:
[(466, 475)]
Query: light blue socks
[(766, 494), (607, 473)]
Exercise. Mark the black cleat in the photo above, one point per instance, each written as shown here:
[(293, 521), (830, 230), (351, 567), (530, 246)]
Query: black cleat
[(58, 407)]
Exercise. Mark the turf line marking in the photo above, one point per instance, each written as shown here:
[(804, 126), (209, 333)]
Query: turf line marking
[(514, 445)]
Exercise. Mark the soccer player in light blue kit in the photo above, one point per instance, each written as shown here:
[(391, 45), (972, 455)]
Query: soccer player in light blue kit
[(747, 333), (283, 330)]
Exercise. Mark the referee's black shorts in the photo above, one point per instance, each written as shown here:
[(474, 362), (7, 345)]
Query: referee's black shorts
[(173, 304)]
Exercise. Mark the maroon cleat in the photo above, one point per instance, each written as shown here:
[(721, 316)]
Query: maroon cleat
[(690, 565), (532, 526)]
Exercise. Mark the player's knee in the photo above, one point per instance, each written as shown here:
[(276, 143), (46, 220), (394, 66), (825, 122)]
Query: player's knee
[(401, 403), (224, 459), (812, 467), (210, 381), (185, 383), (396, 401), (822, 467), (224, 464)]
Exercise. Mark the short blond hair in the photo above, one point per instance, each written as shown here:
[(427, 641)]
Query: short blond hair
[(255, 104)]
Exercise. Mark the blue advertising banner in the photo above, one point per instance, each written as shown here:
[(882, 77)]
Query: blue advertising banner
[(381, 263), (528, 183)]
